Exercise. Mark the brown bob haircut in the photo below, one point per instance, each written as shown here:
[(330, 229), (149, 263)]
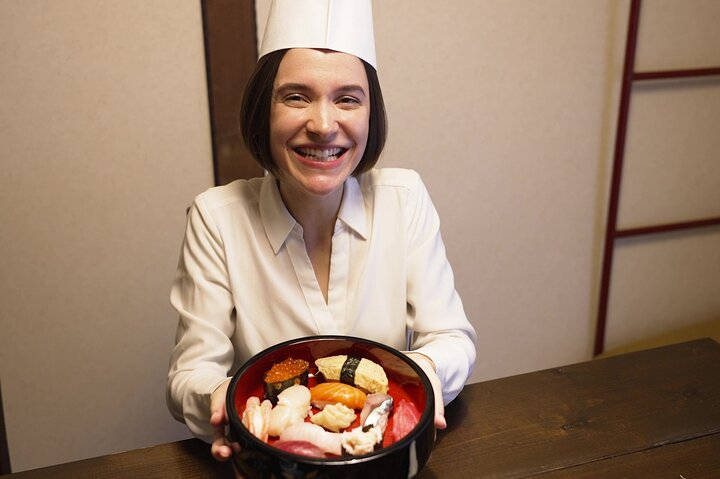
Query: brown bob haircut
[(255, 114)]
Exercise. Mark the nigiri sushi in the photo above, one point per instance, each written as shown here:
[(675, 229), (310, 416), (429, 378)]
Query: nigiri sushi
[(302, 448), (331, 393), (256, 417), (378, 417), (358, 442), (292, 407), (373, 421), (329, 442), (361, 372), (372, 401), (334, 417), (405, 418), (283, 375)]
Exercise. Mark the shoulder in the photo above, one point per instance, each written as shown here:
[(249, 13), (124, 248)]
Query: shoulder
[(237, 194), (398, 178)]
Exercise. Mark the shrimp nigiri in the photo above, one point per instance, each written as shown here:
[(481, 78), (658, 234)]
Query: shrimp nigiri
[(256, 417), (332, 393)]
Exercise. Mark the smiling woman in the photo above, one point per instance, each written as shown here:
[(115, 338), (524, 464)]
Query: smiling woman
[(325, 243), (257, 100), (318, 130)]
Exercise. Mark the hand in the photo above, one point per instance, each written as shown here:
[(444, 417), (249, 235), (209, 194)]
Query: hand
[(428, 367), (221, 448)]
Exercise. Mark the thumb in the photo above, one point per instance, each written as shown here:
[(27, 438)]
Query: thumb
[(428, 367), (218, 415)]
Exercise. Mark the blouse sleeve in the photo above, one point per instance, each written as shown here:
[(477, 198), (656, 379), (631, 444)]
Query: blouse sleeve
[(437, 319), (203, 352)]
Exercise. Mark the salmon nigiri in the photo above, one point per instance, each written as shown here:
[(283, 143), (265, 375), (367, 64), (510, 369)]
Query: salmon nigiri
[(332, 393)]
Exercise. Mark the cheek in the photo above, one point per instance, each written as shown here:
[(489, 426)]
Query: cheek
[(359, 128), (283, 125), (362, 133)]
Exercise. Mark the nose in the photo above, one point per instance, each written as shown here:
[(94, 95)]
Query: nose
[(322, 121)]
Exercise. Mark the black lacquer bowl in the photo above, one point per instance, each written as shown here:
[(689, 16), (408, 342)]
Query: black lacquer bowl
[(403, 458)]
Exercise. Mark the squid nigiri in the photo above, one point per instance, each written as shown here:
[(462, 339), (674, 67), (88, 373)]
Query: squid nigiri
[(329, 442), (332, 393)]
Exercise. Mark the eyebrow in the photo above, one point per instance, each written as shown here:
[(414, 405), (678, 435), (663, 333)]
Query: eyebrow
[(344, 89)]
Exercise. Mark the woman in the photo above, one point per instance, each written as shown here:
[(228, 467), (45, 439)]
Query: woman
[(324, 244)]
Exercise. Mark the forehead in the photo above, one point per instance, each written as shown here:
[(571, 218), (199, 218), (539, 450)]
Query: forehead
[(321, 68)]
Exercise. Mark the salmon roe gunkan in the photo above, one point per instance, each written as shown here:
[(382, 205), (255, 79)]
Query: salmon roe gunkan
[(287, 369)]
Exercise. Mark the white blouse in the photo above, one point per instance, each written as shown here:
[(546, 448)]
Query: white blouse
[(245, 282)]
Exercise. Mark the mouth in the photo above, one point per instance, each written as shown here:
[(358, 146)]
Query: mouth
[(320, 154)]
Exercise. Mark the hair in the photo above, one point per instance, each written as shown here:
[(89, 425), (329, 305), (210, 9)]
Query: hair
[(255, 114)]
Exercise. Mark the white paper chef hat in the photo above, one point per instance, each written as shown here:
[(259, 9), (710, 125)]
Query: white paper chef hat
[(340, 25)]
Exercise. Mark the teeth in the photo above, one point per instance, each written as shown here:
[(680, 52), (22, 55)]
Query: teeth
[(321, 155)]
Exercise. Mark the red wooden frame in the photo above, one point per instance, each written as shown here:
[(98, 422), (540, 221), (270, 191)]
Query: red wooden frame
[(611, 231)]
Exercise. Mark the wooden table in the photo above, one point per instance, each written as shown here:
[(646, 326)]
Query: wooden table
[(651, 414)]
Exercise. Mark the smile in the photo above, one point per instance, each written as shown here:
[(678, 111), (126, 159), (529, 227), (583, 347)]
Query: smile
[(318, 154)]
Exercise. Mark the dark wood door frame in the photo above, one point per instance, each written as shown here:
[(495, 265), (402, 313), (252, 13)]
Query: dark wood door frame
[(230, 55)]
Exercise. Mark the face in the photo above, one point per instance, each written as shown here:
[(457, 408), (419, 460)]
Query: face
[(319, 121)]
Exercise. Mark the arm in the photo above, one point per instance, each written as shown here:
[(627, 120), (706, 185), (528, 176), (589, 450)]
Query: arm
[(203, 353), (441, 331)]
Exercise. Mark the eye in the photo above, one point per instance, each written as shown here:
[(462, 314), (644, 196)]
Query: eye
[(349, 101), (294, 99)]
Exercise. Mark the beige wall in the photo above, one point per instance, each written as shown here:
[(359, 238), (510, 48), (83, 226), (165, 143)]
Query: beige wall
[(104, 138), (506, 107)]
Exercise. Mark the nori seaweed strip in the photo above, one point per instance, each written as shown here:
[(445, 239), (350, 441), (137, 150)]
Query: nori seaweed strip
[(347, 372)]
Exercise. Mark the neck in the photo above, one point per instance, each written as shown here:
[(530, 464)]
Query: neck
[(316, 214)]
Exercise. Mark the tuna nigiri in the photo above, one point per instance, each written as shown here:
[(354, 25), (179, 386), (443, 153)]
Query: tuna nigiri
[(302, 448), (405, 418), (331, 393)]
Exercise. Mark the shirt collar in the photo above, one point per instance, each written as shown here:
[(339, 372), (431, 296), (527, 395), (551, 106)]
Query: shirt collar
[(278, 221), (352, 209)]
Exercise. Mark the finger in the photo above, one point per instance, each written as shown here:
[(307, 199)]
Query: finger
[(220, 448), (218, 418), (440, 422), (428, 366), (220, 452)]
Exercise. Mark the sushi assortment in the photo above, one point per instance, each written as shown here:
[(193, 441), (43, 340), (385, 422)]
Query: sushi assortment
[(317, 420)]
